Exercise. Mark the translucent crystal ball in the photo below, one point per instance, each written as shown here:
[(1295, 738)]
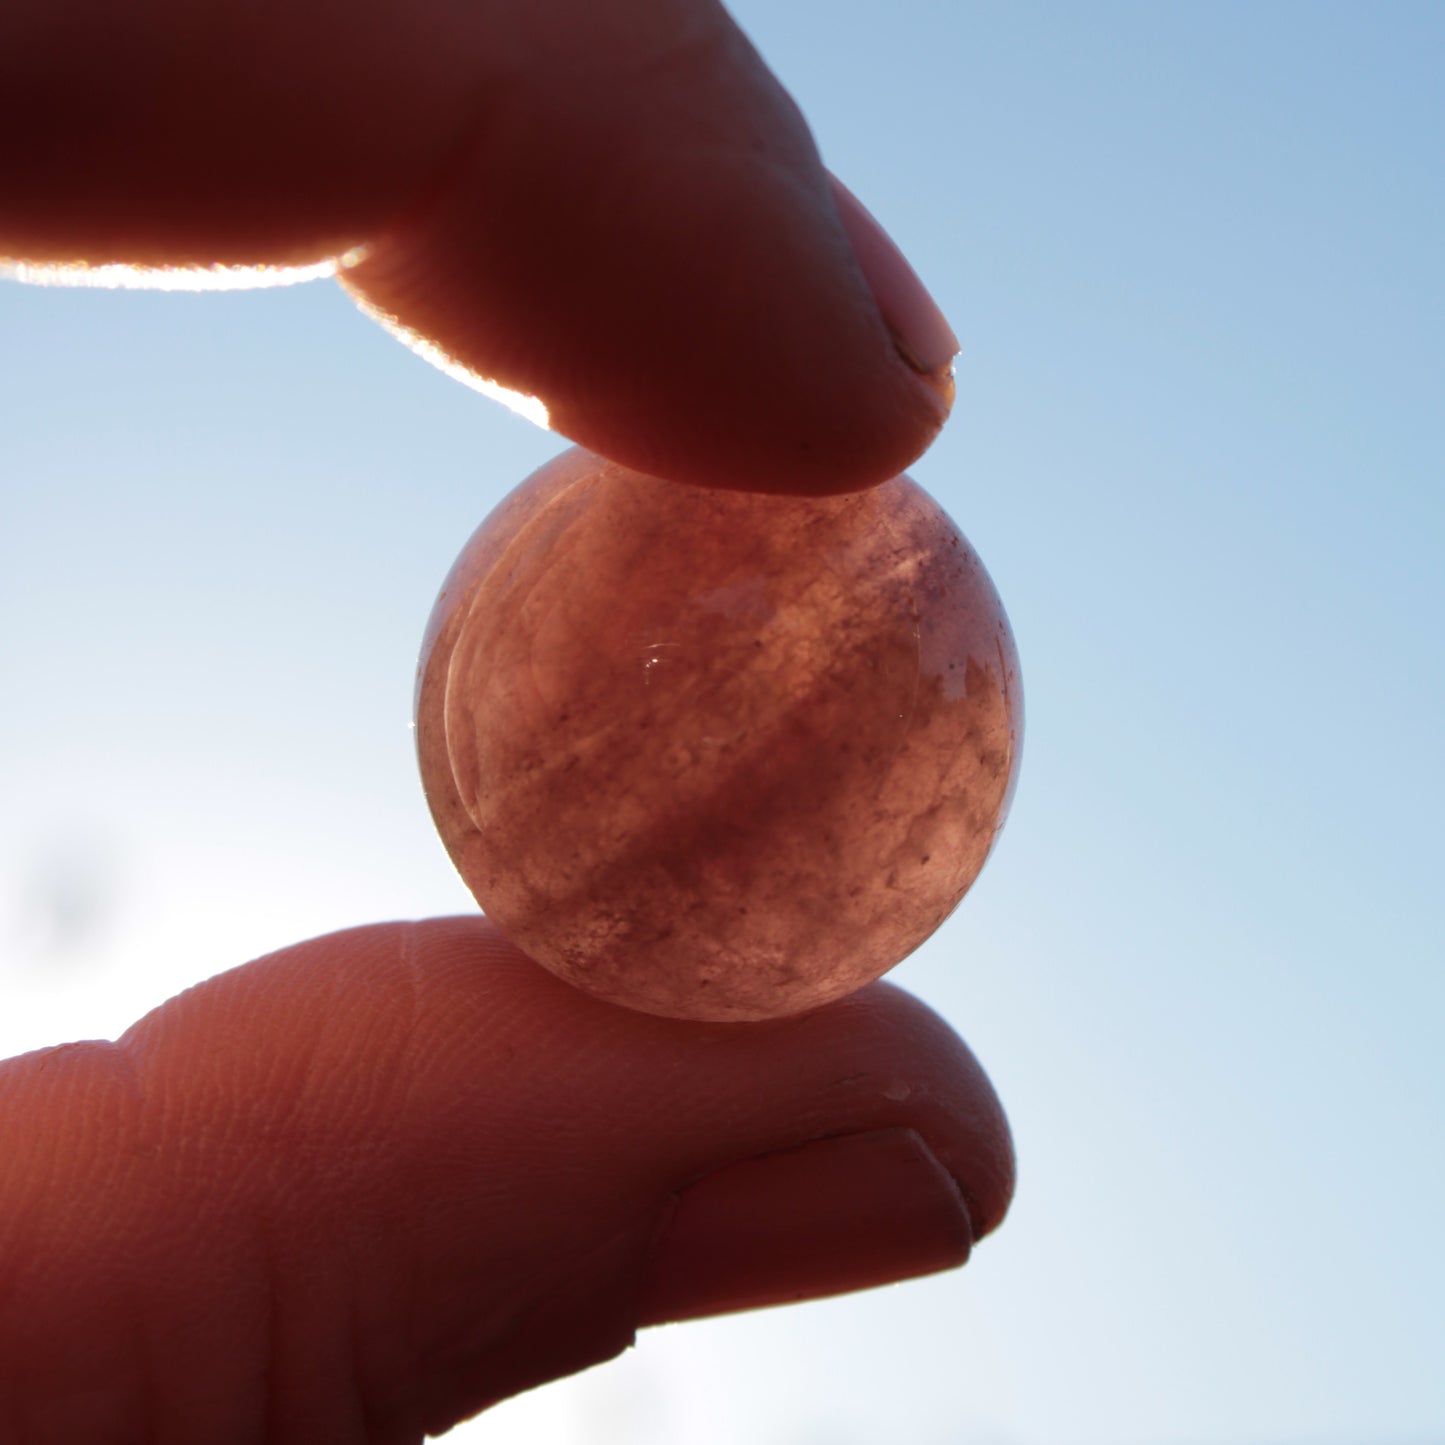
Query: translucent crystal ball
[(717, 755)]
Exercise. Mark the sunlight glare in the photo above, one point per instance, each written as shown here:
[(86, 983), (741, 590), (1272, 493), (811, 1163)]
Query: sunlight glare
[(164, 278), (533, 408)]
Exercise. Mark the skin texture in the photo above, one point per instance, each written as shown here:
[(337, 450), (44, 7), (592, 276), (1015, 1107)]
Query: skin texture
[(715, 755), (371, 1184), (365, 1187)]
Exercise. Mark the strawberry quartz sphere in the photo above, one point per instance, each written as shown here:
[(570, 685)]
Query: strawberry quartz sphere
[(714, 754)]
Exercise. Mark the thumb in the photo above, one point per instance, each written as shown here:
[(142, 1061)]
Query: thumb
[(370, 1185), (614, 208)]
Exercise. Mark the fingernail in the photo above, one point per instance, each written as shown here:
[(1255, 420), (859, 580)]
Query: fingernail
[(823, 1219), (920, 330)]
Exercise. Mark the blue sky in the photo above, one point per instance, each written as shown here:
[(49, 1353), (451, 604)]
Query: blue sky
[(1194, 255)]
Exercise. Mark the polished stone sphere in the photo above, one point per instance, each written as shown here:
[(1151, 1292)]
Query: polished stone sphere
[(713, 754)]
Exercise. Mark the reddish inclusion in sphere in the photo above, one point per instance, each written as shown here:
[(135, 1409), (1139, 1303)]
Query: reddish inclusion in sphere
[(717, 755)]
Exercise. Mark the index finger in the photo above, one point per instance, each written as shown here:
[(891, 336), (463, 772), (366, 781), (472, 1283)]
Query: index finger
[(615, 209)]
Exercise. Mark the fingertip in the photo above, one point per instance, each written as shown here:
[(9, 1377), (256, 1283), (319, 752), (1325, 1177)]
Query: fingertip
[(669, 270), (962, 1117), (834, 1215), (919, 328)]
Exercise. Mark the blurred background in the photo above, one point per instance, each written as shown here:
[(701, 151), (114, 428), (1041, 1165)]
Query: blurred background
[(1196, 254)]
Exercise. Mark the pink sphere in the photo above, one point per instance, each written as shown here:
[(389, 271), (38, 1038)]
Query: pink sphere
[(712, 754)]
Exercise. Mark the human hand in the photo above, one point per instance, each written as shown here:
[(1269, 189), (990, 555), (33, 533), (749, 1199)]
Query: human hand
[(615, 208), (366, 1187), (370, 1185)]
